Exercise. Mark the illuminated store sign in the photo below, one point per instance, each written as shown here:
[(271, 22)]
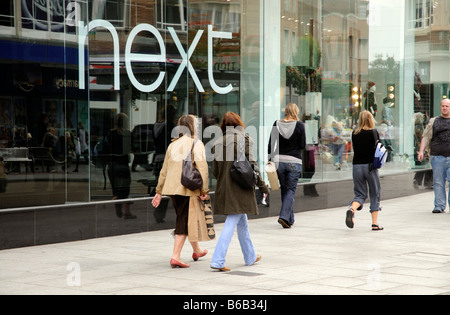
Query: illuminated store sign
[(158, 58)]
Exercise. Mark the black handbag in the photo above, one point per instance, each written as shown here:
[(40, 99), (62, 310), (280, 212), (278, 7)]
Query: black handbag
[(190, 176), (243, 173)]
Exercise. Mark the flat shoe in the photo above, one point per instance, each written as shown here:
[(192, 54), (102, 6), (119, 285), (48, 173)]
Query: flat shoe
[(377, 228), (176, 264), (196, 256), (284, 224), (224, 269), (258, 258), (349, 219)]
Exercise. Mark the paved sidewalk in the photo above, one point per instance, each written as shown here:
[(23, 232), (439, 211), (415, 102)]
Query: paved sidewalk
[(319, 255)]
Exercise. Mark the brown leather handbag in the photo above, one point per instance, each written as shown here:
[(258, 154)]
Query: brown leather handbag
[(190, 176)]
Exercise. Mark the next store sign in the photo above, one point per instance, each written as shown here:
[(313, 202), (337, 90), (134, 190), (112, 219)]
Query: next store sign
[(158, 58)]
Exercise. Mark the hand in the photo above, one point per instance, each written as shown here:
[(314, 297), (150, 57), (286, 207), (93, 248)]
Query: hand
[(420, 156), (203, 197), (156, 200)]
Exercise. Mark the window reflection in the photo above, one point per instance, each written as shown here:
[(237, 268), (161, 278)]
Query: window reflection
[(332, 58)]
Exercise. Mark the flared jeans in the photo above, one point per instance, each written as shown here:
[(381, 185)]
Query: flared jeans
[(233, 221), (288, 175)]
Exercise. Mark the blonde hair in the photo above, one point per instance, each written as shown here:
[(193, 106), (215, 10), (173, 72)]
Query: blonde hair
[(291, 111), (366, 122)]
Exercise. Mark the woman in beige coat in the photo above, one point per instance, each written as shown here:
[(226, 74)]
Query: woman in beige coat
[(169, 184)]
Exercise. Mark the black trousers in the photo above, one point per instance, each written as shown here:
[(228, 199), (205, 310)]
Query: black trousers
[(181, 204)]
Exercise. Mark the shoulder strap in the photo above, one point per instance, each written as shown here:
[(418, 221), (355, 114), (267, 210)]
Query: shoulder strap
[(376, 136), (239, 148), (191, 153)]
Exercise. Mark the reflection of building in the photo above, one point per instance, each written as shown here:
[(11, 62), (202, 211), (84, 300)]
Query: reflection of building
[(250, 57)]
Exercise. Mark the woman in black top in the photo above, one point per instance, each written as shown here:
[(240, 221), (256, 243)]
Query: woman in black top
[(285, 148), (364, 139)]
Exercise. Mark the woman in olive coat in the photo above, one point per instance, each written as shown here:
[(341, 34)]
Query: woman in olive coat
[(229, 198)]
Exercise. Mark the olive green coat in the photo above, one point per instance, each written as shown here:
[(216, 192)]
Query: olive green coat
[(230, 198)]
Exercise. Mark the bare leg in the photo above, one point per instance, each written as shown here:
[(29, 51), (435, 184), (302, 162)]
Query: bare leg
[(355, 206), (375, 218), (178, 246), (375, 225), (196, 247)]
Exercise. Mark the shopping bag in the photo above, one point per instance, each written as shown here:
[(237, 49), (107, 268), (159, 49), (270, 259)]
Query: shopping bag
[(200, 221), (271, 171)]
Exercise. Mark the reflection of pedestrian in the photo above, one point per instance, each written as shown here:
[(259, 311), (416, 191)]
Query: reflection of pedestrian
[(424, 176), (364, 139), (387, 122), (3, 182), (230, 199), (119, 149), (287, 140), (371, 102), (437, 137), (337, 142), (169, 184), (83, 145), (50, 141)]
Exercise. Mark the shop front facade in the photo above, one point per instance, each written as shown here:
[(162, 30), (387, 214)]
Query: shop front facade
[(70, 67)]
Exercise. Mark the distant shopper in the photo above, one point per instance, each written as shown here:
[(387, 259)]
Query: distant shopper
[(230, 199), (371, 101), (436, 137), (82, 139), (287, 140), (169, 184), (119, 149), (364, 139)]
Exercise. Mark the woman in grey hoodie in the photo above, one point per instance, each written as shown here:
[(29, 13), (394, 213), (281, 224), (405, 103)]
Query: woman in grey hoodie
[(287, 140)]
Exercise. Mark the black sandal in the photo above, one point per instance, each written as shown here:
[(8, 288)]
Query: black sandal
[(349, 219), (377, 227)]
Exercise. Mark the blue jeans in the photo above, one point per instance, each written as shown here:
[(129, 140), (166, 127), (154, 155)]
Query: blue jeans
[(288, 175), (362, 178), (241, 222), (337, 150), (441, 174)]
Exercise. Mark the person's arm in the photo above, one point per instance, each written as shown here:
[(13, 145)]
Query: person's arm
[(426, 140)]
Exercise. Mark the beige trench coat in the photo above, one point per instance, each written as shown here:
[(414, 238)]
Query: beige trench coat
[(169, 182)]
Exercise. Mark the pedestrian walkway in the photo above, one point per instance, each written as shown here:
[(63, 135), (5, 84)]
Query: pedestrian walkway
[(319, 255)]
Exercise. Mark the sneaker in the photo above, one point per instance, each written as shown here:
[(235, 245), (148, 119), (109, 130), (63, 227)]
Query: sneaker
[(438, 211)]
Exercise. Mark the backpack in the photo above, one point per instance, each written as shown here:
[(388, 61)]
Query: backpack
[(381, 153)]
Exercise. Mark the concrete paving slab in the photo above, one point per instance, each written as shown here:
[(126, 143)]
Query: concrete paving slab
[(319, 255)]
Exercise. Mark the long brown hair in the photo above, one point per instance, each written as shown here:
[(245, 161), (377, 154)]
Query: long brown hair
[(122, 123), (187, 126), (231, 119)]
